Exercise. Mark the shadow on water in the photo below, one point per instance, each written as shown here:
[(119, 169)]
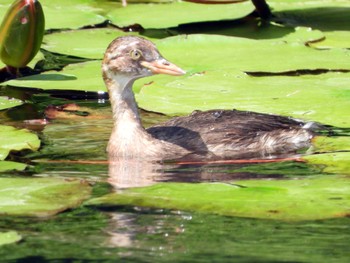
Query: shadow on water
[(327, 18), (323, 18), (248, 27)]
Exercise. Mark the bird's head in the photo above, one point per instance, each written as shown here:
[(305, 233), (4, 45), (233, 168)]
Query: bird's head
[(128, 58)]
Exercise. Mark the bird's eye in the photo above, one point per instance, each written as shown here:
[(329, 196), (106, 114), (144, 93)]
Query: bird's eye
[(135, 54)]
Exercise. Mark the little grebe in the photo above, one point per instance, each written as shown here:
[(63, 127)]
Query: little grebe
[(220, 134)]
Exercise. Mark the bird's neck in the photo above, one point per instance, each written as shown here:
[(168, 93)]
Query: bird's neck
[(128, 135), (123, 104)]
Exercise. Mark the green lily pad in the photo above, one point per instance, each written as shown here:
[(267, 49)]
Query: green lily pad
[(306, 97), (332, 144), (40, 197), (69, 14), (173, 14), (333, 154), (223, 52), (14, 139), (335, 163), (73, 42), (65, 13), (9, 166), (81, 76), (334, 39), (216, 79), (6, 102), (305, 199), (215, 1), (9, 237), (332, 17)]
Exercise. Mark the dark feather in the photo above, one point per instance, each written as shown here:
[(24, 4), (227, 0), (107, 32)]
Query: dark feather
[(233, 132)]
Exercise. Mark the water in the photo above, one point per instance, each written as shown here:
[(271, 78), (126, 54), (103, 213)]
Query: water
[(163, 236), (74, 147)]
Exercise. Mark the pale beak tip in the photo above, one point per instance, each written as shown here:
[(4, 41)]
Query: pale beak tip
[(163, 67)]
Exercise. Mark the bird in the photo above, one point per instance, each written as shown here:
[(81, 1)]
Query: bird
[(213, 134)]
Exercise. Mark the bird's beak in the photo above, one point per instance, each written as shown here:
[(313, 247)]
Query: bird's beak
[(162, 66)]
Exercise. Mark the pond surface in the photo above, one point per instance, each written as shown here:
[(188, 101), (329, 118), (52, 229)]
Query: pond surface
[(73, 146)]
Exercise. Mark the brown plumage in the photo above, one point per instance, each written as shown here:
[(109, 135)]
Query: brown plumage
[(219, 134)]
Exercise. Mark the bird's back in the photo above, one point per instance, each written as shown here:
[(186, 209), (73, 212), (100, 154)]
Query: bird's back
[(234, 134)]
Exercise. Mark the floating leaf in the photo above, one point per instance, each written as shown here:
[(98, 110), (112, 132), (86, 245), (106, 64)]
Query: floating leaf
[(222, 52), (306, 97), (14, 139), (216, 80), (81, 76), (332, 144), (73, 42), (66, 13), (9, 237), (332, 17), (335, 163), (215, 1), (6, 103), (40, 196), (8, 166), (335, 39), (305, 199)]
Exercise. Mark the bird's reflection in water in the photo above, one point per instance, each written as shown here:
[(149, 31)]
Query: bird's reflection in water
[(156, 230), (128, 173), (123, 227)]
